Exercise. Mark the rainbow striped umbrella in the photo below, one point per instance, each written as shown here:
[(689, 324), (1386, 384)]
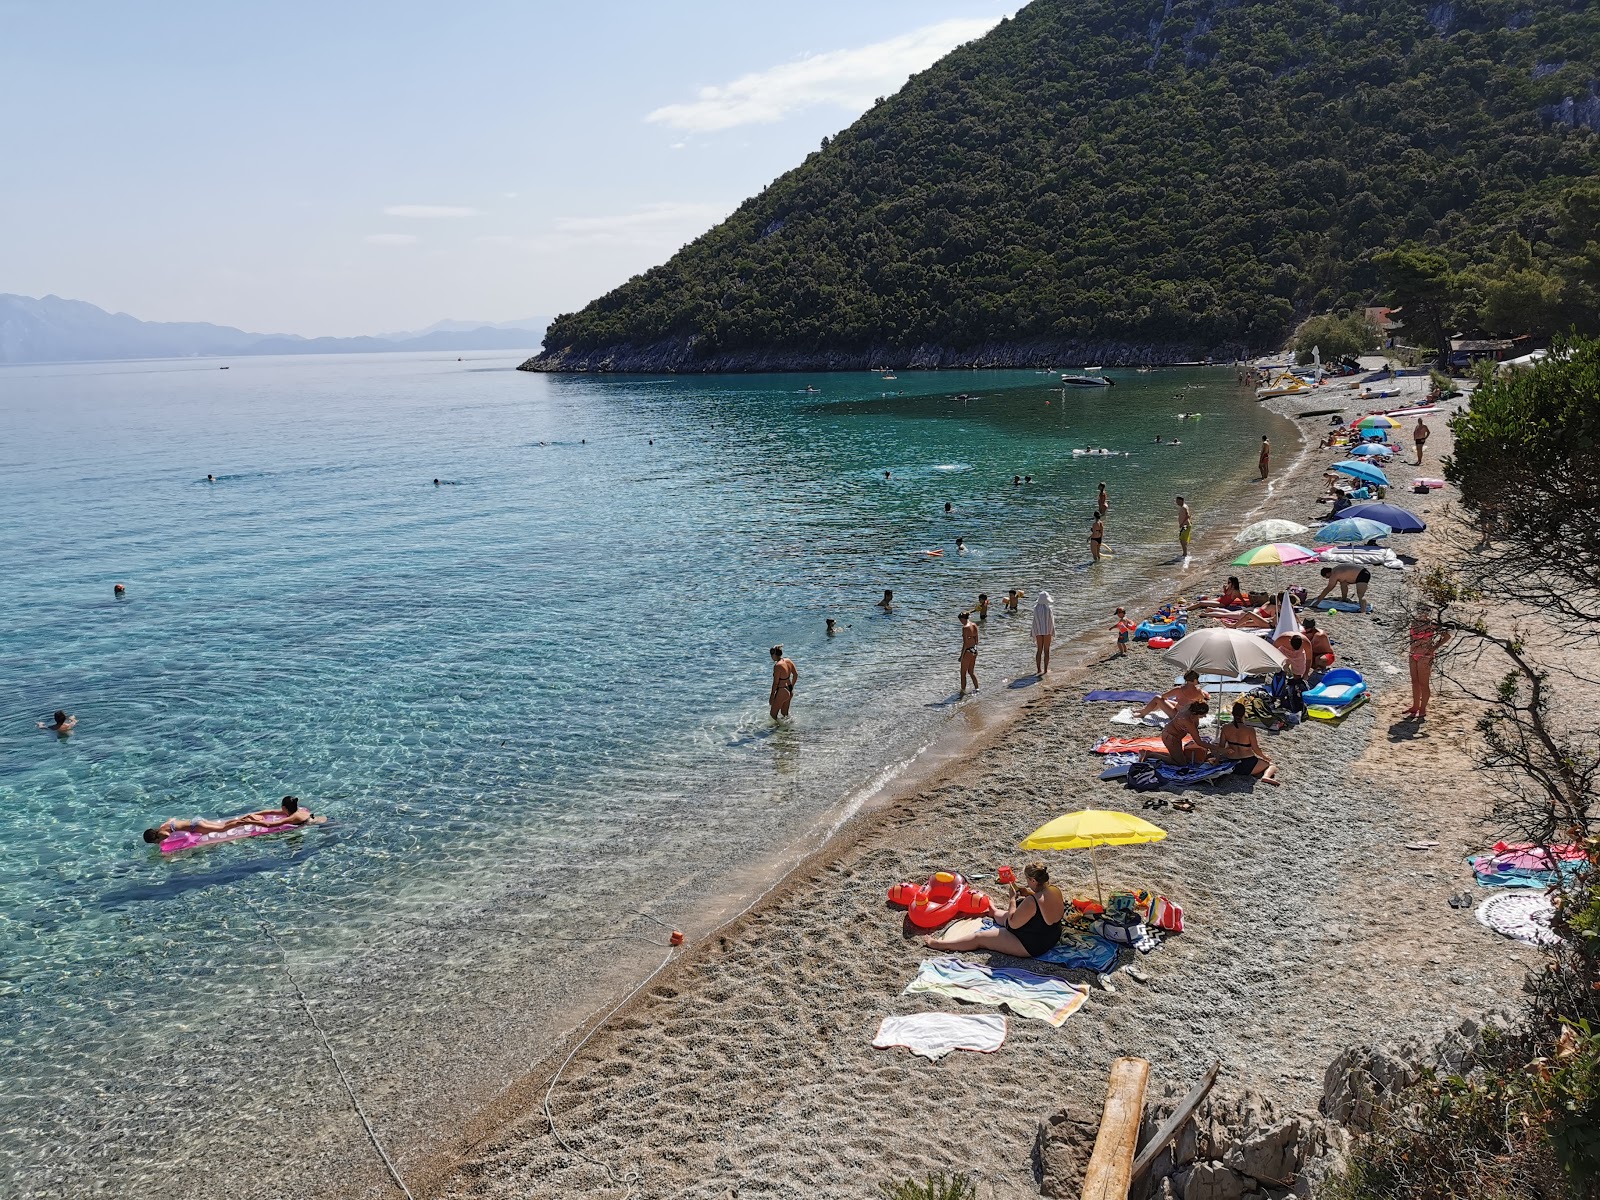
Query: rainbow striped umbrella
[(1377, 421), (1275, 554)]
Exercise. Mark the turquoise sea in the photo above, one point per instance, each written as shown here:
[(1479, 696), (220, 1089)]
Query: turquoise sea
[(535, 692)]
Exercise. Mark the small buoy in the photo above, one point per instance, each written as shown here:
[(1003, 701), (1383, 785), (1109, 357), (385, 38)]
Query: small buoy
[(676, 939)]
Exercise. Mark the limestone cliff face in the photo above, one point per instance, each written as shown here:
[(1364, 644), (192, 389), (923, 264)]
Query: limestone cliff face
[(681, 357)]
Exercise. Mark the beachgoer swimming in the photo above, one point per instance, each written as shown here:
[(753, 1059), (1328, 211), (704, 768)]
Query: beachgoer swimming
[(1016, 481), (1013, 599), (1175, 699), (1044, 631), (1158, 438), (887, 603), (982, 607), (831, 628), (784, 676), (1342, 577), (59, 723), (1185, 526), (969, 652), (435, 483), (1097, 536), (211, 478), (118, 590), (1239, 745), (1027, 479), (886, 475), (1030, 926), (948, 507), (961, 546)]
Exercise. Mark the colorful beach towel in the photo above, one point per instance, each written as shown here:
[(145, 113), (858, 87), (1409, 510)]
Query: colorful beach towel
[(1117, 745), (1521, 916), (1177, 777), (1522, 865), (1023, 992), (935, 1034), (1119, 697)]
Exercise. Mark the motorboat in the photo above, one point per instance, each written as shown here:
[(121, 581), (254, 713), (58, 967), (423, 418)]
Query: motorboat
[(1086, 381)]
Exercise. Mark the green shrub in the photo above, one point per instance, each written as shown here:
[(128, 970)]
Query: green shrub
[(935, 1187)]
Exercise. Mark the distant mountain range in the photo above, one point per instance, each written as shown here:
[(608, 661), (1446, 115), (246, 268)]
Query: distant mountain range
[(50, 329)]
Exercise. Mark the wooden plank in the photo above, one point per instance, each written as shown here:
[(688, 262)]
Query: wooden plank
[(1110, 1170), (1173, 1125)]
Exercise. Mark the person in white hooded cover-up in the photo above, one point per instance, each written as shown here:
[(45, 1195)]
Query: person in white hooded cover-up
[(1044, 629)]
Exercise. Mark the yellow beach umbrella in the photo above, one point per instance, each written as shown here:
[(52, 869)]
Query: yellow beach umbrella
[(1090, 829)]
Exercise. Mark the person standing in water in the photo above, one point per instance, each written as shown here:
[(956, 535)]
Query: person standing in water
[(1102, 503), (969, 652), (1185, 526), (982, 608), (59, 723), (1012, 600), (784, 676), (887, 603), (1044, 631), (1097, 535), (1266, 456)]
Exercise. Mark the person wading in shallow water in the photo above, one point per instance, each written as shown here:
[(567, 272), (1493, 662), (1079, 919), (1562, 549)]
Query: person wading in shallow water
[(969, 652), (1185, 526), (784, 676), (1266, 456)]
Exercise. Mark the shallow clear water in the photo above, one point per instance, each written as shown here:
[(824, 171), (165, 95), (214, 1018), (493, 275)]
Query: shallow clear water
[(556, 658)]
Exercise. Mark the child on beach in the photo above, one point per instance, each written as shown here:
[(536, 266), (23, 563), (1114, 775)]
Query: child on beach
[(1124, 628), (1013, 598), (981, 609)]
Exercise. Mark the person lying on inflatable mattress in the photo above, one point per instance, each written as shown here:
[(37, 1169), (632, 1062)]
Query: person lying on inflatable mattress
[(289, 813)]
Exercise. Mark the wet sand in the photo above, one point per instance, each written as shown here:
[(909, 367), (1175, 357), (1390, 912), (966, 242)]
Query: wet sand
[(745, 1067)]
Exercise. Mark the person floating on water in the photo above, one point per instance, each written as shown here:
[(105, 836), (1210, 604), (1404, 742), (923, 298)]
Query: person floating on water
[(832, 628), (59, 723), (1266, 456), (886, 475), (887, 603), (1097, 536), (1185, 526), (1016, 481), (1027, 479), (969, 652), (288, 815), (784, 676)]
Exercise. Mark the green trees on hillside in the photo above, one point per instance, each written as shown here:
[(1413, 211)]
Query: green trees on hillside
[(1335, 337), (1196, 173)]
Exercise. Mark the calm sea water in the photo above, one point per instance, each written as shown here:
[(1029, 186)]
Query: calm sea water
[(557, 657)]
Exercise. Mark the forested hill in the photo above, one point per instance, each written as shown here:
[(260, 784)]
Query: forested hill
[(1130, 179)]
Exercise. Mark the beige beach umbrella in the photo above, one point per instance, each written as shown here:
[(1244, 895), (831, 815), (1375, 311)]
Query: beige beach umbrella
[(1227, 652), (1271, 530)]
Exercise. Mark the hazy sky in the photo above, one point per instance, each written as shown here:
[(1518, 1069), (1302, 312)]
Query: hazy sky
[(345, 167)]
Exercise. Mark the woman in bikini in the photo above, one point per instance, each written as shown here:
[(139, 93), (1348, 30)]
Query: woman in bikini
[(1232, 596), (1264, 617), (1426, 639), (1029, 927), (784, 676), (1097, 535), (1239, 745)]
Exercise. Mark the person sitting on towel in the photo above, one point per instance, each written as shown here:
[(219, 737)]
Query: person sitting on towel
[(1178, 698), (1185, 724), (288, 814), (1240, 746), (1029, 927), (1232, 596), (1321, 647)]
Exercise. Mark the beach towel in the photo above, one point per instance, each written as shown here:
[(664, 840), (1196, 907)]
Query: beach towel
[(1117, 745), (935, 1034), (1023, 992), (1331, 605), (1120, 697), (1084, 952), (1521, 916), (1177, 777), (1522, 865)]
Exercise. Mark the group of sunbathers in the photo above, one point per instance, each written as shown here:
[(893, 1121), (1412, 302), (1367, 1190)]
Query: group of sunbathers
[(287, 815), (1186, 706)]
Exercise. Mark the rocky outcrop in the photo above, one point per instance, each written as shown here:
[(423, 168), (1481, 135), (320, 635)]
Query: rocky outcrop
[(690, 355)]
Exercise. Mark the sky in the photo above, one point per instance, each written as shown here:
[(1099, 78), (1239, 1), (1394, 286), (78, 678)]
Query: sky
[(363, 167)]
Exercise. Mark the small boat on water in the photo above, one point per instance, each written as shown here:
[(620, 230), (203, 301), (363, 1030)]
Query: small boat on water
[(1087, 381)]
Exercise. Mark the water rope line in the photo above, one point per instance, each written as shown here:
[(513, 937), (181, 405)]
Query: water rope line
[(350, 1090)]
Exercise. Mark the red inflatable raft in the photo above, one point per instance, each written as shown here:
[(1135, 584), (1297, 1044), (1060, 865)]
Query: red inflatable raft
[(946, 896)]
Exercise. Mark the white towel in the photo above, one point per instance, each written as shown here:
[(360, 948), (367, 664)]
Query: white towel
[(935, 1034), (1524, 916), (1044, 616)]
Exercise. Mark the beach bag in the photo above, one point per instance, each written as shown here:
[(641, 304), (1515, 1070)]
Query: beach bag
[(1164, 914), (1121, 929), (1285, 693), (1143, 777)]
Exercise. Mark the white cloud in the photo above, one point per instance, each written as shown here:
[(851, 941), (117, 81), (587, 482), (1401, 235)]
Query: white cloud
[(391, 239), (428, 210), (850, 79)]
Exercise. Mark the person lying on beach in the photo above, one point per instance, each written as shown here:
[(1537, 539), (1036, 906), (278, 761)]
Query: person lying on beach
[(1264, 617), (1240, 746), (1321, 647), (59, 723), (1342, 577), (1174, 699), (1184, 724), (287, 815), (1029, 927), (1232, 596)]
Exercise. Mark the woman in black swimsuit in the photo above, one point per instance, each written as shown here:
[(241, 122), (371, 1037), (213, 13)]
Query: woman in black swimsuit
[(1239, 745), (1031, 926)]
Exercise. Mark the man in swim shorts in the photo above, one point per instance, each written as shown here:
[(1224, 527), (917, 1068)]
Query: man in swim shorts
[(288, 814), (784, 676), (1343, 576), (969, 652), (1419, 436), (1266, 456), (1185, 526)]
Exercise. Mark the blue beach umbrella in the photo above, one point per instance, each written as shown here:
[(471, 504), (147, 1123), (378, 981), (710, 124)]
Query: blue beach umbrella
[(1352, 529), (1361, 470), (1370, 449), (1396, 518)]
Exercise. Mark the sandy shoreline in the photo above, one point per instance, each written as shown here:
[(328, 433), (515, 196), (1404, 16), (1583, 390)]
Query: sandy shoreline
[(1311, 928)]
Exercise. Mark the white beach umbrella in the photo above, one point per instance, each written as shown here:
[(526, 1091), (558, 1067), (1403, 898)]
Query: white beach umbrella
[(1273, 530), (1288, 619), (1227, 652)]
